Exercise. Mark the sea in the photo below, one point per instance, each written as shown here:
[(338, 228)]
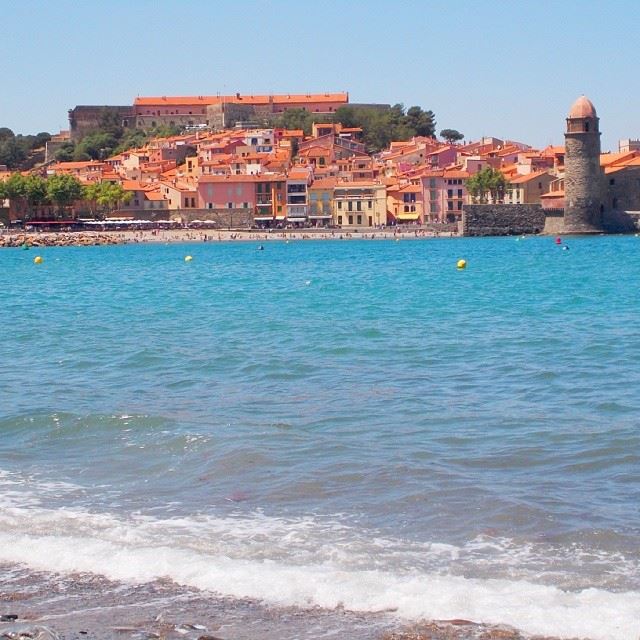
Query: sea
[(325, 438)]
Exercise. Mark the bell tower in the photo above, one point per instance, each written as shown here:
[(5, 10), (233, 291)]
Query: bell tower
[(583, 176)]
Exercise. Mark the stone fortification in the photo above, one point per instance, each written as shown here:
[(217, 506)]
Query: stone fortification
[(584, 178), (502, 219)]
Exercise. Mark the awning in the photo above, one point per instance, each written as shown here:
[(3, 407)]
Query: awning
[(408, 216), (280, 217), (263, 218), (318, 217), (296, 219)]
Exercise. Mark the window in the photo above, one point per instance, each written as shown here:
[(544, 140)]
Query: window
[(459, 205), (245, 205), (406, 208), (229, 205), (350, 219), (449, 205), (459, 193), (339, 219), (612, 181), (449, 193), (350, 206), (369, 204), (370, 221), (210, 205), (359, 205), (359, 219), (432, 183), (339, 204)]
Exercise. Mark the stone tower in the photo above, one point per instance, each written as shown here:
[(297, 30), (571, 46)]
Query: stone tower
[(583, 176)]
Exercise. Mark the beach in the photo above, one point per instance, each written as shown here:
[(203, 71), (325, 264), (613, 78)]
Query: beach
[(88, 238)]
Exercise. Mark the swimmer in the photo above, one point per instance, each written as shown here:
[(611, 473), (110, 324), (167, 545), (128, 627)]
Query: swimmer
[(565, 248)]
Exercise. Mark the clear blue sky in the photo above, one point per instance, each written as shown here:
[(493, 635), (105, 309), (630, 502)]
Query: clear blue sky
[(488, 67)]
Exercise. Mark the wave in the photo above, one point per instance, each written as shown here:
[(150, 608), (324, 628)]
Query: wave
[(315, 562)]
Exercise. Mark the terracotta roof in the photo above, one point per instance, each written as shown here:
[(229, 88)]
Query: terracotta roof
[(527, 177), (582, 108), (153, 195), (324, 183), (554, 194)]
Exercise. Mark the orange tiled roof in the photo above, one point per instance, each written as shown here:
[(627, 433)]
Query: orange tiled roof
[(527, 177)]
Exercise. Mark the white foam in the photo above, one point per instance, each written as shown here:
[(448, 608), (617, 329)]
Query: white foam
[(304, 562)]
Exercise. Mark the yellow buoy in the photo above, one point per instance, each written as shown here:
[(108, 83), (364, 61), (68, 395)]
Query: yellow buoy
[(38, 260), (188, 258), (462, 264)]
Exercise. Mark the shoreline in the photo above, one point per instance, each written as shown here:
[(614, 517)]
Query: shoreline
[(147, 236), (48, 606)]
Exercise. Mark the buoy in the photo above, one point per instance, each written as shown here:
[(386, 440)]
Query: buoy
[(558, 240), (38, 260), (188, 258), (462, 264)]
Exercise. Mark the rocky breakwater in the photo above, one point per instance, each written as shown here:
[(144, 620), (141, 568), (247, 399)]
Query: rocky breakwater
[(82, 239)]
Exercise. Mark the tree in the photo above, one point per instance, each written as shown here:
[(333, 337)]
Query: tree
[(64, 190), (65, 152), (12, 152), (487, 183), (95, 146), (107, 195), (451, 135), (296, 119), (35, 190), (15, 190), (111, 123), (422, 122)]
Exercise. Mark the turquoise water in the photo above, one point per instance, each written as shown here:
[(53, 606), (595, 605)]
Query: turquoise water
[(326, 423)]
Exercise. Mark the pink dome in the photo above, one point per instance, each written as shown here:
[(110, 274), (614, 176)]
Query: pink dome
[(582, 108)]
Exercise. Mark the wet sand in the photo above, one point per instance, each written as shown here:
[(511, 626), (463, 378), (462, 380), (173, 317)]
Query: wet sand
[(78, 606)]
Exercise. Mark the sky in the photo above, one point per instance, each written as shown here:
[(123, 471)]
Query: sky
[(506, 68)]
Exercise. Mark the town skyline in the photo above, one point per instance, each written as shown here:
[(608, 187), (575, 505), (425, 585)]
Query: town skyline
[(507, 71)]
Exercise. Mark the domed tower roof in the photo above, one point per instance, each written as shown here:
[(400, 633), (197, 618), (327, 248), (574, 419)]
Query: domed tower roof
[(582, 108)]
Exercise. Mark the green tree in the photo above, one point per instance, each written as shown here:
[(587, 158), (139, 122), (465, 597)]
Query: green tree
[(65, 152), (64, 190), (35, 190), (296, 119), (15, 190), (106, 195), (451, 135), (95, 146), (12, 152), (111, 123), (487, 183)]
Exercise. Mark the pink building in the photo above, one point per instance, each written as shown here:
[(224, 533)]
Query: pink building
[(227, 192), (444, 194)]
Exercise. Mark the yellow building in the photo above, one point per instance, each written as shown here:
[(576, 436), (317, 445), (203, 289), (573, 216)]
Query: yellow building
[(321, 201), (360, 204), (528, 189)]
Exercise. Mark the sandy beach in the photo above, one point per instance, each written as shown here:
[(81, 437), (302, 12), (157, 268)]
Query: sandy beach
[(35, 239)]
